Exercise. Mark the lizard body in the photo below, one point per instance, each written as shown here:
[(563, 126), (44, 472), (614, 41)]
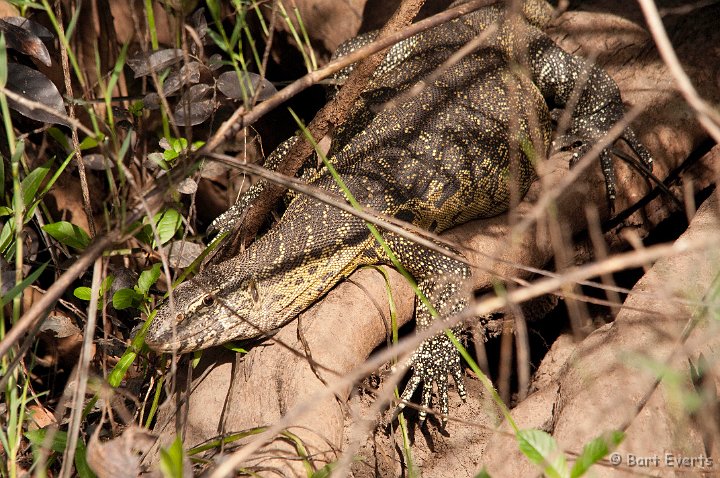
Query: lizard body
[(436, 158)]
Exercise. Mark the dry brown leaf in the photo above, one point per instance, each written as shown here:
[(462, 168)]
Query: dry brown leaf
[(121, 456)]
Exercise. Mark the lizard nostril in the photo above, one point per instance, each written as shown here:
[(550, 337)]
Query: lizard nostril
[(180, 317)]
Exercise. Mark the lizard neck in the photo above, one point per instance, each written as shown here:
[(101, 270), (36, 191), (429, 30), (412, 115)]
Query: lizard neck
[(296, 263)]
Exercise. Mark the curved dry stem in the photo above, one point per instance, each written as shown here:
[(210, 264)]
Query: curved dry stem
[(707, 117)]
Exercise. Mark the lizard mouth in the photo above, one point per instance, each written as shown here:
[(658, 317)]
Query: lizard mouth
[(165, 344), (167, 340)]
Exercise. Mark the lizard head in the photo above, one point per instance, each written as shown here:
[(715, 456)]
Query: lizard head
[(206, 311)]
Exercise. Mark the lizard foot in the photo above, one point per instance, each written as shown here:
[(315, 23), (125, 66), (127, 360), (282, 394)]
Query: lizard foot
[(581, 147), (432, 362)]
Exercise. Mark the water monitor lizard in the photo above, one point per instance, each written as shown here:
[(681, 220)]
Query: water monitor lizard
[(436, 158)]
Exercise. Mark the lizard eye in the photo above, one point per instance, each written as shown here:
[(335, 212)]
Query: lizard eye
[(180, 317), (208, 300), (252, 288)]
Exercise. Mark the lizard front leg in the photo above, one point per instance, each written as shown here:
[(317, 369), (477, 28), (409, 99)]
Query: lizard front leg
[(442, 280), (564, 79)]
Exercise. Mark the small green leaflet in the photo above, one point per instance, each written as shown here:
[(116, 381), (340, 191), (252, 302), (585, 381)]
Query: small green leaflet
[(595, 451), (15, 291), (69, 234), (126, 298), (167, 224), (542, 449), (148, 278), (171, 460)]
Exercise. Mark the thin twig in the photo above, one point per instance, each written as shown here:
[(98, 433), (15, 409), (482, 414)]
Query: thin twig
[(402, 228), (87, 208), (41, 307), (82, 372), (708, 117), (242, 117)]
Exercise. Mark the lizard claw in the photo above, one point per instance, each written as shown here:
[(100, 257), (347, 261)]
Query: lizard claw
[(432, 362), (580, 148), (605, 165)]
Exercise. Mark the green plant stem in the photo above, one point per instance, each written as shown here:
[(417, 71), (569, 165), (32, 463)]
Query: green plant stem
[(150, 17)]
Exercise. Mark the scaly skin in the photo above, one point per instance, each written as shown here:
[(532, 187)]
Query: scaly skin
[(436, 159)]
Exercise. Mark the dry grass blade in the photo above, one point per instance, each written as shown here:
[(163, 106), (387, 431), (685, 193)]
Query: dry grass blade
[(82, 370), (402, 228)]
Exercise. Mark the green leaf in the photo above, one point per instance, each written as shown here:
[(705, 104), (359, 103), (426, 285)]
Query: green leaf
[(214, 8), (60, 137), (90, 142), (197, 355), (148, 278), (300, 450), (37, 438), (58, 444), (235, 348), (6, 236), (136, 108), (483, 474), (171, 460), (231, 438), (167, 225), (218, 40), (595, 451), (4, 210), (3, 61), (144, 234), (326, 471), (178, 144), (30, 185), (118, 372), (542, 449), (170, 154), (69, 234), (83, 293), (159, 159), (126, 298), (17, 290), (81, 464)]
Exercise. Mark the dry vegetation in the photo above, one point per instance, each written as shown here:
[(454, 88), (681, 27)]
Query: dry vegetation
[(603, 333)]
